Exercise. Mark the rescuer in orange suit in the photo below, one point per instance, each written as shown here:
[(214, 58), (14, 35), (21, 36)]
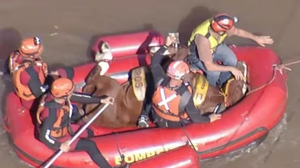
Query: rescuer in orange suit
[(54, 116), (172, 103), (29, 72)]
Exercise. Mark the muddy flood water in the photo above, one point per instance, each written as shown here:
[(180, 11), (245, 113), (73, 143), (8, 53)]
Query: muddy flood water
[(67, 29)]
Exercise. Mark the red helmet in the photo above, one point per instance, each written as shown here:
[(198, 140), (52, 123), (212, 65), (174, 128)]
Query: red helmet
[(31, 47), (177, 69), (62, 87), (223, 22)]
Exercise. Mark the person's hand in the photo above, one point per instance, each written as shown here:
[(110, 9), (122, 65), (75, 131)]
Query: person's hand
[(170, 40), (108, 100), (214, 117), (65, 147), (262, 40), (54, 73), (237, 73)]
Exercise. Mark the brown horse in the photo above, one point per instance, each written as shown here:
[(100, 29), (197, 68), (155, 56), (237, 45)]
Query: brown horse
[(127, 108)]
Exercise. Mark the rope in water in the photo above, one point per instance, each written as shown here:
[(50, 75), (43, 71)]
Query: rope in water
[(279, 68)]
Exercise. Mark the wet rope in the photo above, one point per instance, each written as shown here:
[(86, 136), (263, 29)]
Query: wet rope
[(122, 156), (188, 137), (279, 68)]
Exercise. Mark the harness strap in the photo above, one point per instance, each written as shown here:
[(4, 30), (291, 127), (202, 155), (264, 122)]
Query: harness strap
[(184, 100), (207, 35), (63, 123), (69, 119), (185, 97), (166, 112)]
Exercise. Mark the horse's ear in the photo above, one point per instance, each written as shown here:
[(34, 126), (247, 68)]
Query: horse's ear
[(90, 89)]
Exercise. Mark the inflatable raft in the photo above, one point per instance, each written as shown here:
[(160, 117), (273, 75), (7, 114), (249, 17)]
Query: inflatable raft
[(248, 121)]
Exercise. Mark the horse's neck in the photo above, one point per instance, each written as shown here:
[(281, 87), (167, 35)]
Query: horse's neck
[(129, 94), (94, 73), (126, 86), (190, 78)]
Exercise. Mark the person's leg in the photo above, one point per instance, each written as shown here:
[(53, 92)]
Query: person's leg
[(144, 118), (228, 58), (91, 148), (197, 64), (83, 144), (226, 55), (147, 104), (212, 76), (87, 133), (162, 123)]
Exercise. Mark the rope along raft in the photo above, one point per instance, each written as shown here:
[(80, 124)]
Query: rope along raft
[(279, 68)]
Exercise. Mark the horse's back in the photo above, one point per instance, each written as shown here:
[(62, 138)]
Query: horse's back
[(105, 85)]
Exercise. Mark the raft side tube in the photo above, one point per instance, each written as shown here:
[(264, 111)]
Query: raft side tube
[(131, 43), (181, 157)]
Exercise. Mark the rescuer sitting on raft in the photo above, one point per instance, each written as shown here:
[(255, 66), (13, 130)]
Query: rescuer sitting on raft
[(54, 116), (29, 72), (172, 103), (207, 47)]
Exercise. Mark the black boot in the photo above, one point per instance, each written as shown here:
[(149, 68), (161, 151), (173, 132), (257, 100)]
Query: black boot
[(143, 122)]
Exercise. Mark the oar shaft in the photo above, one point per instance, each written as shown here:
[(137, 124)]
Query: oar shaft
[(88, 124), (77, 135)]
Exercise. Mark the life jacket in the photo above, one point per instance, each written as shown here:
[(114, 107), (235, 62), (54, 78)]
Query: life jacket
[(61, 125), (168, 103), (203, 29), (23, 91)]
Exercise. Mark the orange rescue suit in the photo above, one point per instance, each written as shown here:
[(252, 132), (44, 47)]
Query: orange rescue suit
[(60, 127), (16, 69), (166, 104)]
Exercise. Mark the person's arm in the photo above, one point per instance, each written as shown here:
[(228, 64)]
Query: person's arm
[(158, 56), (261, 40), (30, 77), (241, 33), (206, 57), (67, 72), (156, 68), (194, 114), (46, 128), (87, 99), (75, 113)]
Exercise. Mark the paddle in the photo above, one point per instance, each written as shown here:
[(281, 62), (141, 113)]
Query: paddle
[(77, 134)]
